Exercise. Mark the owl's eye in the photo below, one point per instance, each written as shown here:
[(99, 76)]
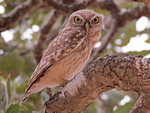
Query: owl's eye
[(95, 20), (77, 19)]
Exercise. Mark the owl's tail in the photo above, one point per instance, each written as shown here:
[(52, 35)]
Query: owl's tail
[(24, 98)]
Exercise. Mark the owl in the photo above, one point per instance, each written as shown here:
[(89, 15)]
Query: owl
[(67, 54)]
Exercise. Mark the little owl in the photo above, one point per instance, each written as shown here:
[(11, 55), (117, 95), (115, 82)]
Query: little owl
[(67, 54)]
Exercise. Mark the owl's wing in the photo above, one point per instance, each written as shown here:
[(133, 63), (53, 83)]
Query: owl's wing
[(67, 41)]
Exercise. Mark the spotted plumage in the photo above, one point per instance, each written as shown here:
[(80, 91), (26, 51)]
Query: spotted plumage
[(67, 53)]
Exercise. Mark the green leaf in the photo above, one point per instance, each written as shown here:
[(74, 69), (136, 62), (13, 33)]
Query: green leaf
[(14, 108), (23, 108)]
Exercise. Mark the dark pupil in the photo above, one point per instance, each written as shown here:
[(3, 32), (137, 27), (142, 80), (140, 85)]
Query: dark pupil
[(95, 19), (78, 19)]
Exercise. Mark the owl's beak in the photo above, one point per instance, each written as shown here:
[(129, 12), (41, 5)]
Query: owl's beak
[(87, 26)]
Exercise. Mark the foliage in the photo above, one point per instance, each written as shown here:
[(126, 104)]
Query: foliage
[(17, 64)]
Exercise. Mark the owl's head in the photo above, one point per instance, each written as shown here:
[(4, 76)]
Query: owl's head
[(88, 19)]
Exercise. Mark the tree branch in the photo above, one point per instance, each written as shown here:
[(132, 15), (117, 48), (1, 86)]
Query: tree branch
[(122, 71), (65, 9), (142, 104), (109, 5), (17, 13)]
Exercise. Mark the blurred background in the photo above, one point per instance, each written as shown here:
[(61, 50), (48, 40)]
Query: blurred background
[(17, 62)]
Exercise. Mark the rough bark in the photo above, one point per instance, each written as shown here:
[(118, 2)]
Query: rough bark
[(122, 71)]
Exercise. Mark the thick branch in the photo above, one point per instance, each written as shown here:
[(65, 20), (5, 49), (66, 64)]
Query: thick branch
[(39, 47), (123, 72), (63, 8), (109, 5), (16, 14), (142, 104)]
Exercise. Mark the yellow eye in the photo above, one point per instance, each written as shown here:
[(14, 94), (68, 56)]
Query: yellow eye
[(95, 20), (77, 19)]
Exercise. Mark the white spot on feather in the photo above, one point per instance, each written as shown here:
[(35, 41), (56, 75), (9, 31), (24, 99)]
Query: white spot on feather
[(47, 57), (66, 45), (77, 35), (66, 39), (73, 45), (42, 63), (78, 30), (58, 40), (69, 40), (52, 55), (80, 33), (54, 44), (75, 39), (58, 52)]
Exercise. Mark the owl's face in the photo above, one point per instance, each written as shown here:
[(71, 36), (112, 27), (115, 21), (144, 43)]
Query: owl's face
[(87, 19)]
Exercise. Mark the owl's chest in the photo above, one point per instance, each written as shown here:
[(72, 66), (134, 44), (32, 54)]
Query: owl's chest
[(75, 61)]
